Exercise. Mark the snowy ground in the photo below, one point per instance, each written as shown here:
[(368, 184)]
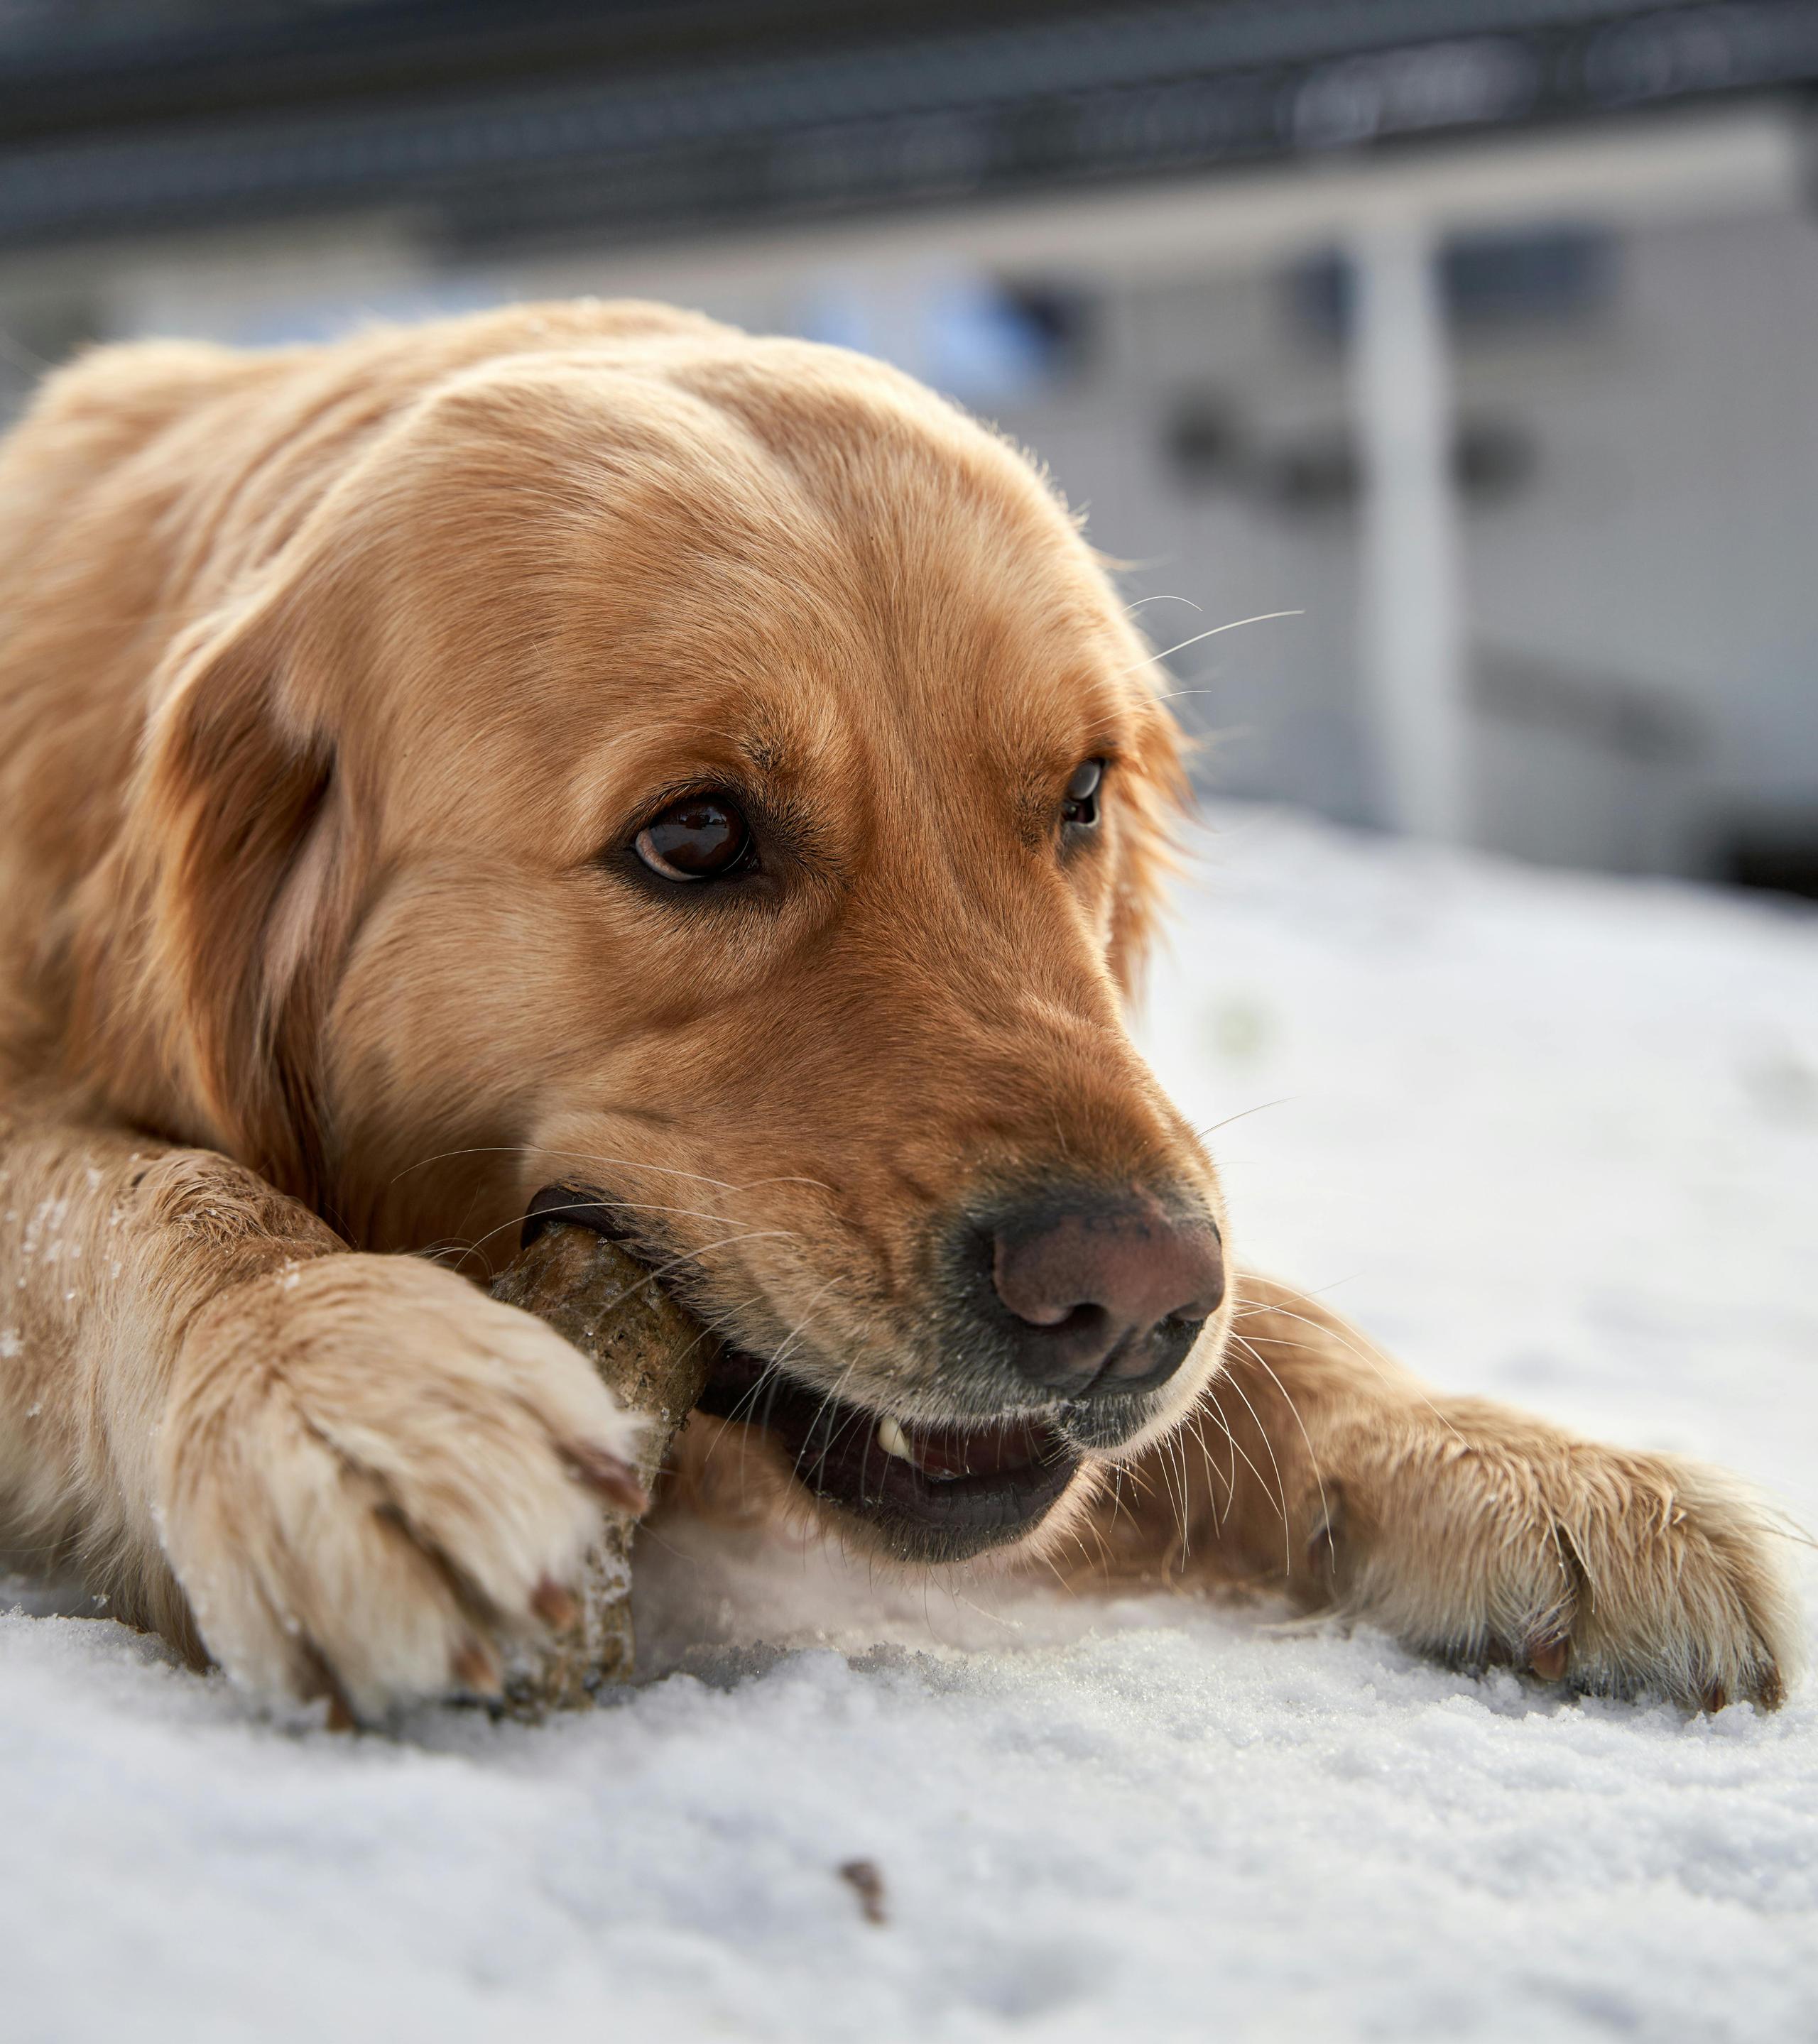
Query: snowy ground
[(1555, 1138)]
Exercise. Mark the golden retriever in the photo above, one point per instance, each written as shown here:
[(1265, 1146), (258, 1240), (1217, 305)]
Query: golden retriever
[(584, 754)]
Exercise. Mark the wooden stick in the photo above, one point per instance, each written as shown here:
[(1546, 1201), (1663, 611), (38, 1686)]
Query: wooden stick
[(655, 1358)]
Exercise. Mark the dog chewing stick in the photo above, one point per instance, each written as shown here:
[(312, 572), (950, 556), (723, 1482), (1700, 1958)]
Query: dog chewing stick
[(654, 1358)]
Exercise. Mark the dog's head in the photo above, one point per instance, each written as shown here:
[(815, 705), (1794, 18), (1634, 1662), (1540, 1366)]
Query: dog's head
[(708, 786)]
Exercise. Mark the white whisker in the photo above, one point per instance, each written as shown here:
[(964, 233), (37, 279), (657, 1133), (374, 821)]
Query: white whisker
[(1262, 617)]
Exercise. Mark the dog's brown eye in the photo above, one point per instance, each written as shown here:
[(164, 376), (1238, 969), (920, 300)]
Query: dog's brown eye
[(1079, 810), (701, 837)]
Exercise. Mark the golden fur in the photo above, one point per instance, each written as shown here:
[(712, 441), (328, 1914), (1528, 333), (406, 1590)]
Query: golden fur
[(327, 676)]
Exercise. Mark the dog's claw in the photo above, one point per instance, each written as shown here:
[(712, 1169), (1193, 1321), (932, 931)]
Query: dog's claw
[(610, 1477), (1548, 1660), (555, 1606), (476, 1671)]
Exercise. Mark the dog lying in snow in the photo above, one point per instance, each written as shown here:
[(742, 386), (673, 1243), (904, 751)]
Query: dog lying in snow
[(583, 746)]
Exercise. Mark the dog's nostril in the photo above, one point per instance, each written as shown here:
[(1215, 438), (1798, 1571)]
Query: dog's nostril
[(1079, 1323), (1110, 1295)]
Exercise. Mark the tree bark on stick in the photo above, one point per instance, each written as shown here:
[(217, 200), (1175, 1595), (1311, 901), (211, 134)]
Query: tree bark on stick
[(655, 1358)]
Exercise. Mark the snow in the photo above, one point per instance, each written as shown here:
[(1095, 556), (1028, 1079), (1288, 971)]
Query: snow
[(1555, 1138)]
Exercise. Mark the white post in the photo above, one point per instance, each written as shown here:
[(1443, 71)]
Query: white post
[(1413, 624)]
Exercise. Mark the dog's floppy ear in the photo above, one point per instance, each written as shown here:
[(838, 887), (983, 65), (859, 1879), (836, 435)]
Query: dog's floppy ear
[(234, 875), (1153, 797)]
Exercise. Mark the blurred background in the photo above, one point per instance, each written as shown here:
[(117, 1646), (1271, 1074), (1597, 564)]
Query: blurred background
[(1478, 336)]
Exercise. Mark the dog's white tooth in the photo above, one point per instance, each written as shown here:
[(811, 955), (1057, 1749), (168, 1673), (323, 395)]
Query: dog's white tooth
[(893, 1441)]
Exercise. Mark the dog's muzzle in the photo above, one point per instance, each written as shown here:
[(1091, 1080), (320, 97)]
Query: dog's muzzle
[(1064, 1316)]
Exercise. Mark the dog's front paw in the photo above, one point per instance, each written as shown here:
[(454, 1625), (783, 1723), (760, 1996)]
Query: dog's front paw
[(1477, 1535), (372, 1478)]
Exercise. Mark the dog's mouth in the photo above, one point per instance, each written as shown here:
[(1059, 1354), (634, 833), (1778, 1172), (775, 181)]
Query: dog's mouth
[(934, 1492)]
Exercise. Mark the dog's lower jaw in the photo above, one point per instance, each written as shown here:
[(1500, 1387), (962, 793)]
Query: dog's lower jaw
[(922, 1493)]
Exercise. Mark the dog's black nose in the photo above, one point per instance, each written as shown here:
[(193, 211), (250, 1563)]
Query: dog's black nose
[(1104, 1296)]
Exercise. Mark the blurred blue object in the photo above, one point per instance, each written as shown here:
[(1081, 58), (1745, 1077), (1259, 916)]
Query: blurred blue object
[(971, 336)]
